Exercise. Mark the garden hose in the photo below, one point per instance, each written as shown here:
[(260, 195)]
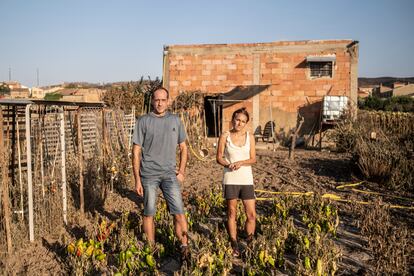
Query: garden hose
[(286, 193), (190, 144), (335, 197), (369, 192)]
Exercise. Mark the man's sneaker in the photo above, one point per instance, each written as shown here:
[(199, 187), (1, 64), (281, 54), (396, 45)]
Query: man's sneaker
[(184, 253)]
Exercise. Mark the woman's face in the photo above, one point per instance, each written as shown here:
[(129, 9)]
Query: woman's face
[(239, 121)]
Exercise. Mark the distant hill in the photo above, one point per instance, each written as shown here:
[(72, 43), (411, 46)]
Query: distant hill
[(384, 80)]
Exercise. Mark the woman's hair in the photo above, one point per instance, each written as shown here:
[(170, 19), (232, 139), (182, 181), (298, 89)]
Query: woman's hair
[(240, 111)]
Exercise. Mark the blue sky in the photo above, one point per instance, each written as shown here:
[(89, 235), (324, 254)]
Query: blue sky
[(108, 40)]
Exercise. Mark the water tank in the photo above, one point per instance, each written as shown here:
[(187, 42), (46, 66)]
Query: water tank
[(333, 107)]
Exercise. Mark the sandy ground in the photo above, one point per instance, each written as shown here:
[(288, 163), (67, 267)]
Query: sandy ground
[(313, 171)]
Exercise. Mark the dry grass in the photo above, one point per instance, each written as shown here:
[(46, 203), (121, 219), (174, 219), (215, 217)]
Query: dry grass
[(389, 242), (382, 144)]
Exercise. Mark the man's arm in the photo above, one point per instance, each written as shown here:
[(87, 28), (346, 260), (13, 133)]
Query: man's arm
[(183, 161), (136, 163)]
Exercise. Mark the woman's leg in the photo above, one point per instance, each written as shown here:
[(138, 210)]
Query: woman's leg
[(250, 209), (231, 218)]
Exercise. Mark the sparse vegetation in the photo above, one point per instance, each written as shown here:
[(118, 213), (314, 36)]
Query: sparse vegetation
[(53, 96), (382, 144), (4, 89), (119, 246), (394, 104), (127, 95), (391, 245)]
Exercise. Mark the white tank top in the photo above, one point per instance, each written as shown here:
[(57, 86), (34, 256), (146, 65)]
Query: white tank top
[(233, 153)]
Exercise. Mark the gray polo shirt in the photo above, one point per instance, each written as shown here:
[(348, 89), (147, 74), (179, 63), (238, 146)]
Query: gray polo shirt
[(158, 138)]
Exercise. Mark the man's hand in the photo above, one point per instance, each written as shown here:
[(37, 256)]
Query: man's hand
[(139, 189), (180, 176)]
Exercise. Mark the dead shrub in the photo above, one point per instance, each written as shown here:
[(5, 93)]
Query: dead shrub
[(127, 95), (382, 145), (389, 243)]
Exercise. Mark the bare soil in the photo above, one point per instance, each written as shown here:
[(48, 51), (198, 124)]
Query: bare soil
[(315, 171)]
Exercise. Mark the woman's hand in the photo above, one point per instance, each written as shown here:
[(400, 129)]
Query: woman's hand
[(235, 166)]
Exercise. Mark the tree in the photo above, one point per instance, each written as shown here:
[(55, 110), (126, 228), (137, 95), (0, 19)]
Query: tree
[(53, 96), (4, 89)]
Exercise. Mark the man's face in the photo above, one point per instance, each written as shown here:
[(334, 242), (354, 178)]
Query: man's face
[(160, 101)]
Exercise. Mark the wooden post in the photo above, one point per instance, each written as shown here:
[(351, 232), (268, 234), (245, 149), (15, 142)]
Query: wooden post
[(103, 148), (42, 171), (63, 159), (131, 129), (205, 126), (5, 187), (29, 173), (19, 157), (320, 135), (13, 146), (271, 127), (292, 145), (123, 138), (215, 122), (80, 160)]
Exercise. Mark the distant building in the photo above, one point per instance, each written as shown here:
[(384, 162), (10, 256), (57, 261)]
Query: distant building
[(81, 94), (395, 89), (382, 91), (13, 84), (406, 90), (37, 93), (397, 84), (20, 93), (364, 92)]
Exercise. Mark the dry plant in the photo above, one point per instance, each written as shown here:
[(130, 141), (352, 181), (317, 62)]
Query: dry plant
[(119, 247), (382, 144), (390, 244), (130, 94), (190, 107)]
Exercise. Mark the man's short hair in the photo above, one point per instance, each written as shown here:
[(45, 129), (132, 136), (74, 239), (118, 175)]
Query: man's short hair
[(161, 88)]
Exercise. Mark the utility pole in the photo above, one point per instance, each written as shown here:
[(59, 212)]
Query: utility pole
[(9, 73)]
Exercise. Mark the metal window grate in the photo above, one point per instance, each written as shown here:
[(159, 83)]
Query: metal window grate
[(321, 69)]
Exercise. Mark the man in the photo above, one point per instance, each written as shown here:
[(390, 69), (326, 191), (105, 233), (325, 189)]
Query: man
[(155, 139)]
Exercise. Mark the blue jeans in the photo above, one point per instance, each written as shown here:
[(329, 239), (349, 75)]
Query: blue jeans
[(171, 190)]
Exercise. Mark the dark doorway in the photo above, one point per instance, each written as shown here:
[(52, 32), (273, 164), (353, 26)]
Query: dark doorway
[(214, 115)]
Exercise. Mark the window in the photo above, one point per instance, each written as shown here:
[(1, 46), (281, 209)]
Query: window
[(320, 69), (321, 66)]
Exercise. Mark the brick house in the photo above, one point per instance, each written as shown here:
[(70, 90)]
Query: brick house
[(274, 81), (37, 93), (22, 92)]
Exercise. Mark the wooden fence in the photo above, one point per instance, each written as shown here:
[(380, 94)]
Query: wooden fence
[(34, 196)]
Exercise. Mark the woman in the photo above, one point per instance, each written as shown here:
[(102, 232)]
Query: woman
[(236, 152)]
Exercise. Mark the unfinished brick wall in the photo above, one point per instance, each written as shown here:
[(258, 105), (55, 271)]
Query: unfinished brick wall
[(282, 65)]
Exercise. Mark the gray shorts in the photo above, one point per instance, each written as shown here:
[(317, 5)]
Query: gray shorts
[(243, 192), (171, 190)]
